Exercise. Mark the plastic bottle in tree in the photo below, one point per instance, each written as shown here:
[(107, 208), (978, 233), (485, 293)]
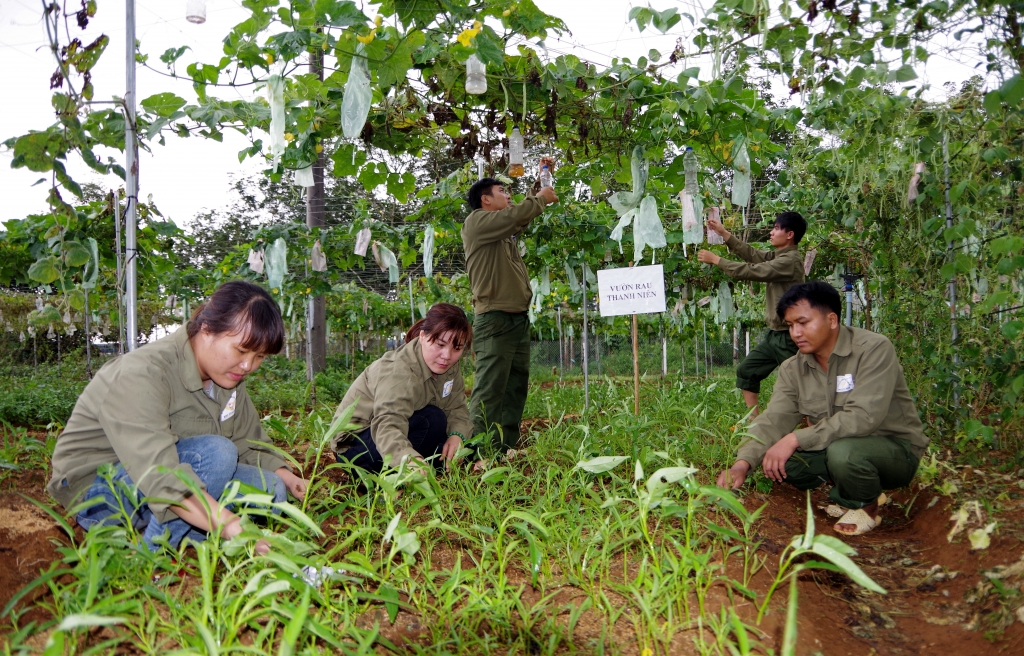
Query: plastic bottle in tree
[(690, 170), (545, 177), (476, 76), (515, 154)]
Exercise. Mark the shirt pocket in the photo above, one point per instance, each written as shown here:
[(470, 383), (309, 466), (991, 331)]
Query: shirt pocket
[(188, 423), (816, 408)]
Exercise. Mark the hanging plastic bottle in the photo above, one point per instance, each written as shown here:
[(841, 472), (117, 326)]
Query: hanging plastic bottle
[(690, 170), (545, 177), (476, 76), (195, 11), (515, 154)]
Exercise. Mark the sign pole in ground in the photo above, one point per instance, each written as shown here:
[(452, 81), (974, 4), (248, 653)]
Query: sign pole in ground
[(586, 344), (632, 291)]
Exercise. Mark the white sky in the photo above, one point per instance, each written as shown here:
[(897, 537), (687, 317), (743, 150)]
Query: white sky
[(188, 175)]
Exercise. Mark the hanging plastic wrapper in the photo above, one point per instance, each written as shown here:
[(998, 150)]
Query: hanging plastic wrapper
[(625, 203), (537, 302), (914, 181), (276, 259), (574, 283), (589, 275), (725, 306), (318, 260), (693, 229), (304, 177), (713, 237), (195, 11), (428, 251), (275, 96), (545, 282), (355, 105), (648, 231), (362, 242), (809, 261), (741, 179), (386, 260)]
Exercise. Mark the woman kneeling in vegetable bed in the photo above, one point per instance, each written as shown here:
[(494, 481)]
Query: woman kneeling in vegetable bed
[(412, 401), (177, 409)]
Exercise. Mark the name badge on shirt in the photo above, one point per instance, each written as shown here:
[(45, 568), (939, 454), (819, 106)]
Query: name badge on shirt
[(229, 410), (844, 383), (447, 388)]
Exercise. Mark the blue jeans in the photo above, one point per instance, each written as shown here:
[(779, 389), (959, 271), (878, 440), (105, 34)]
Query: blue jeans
[(428, 431), (213, 458)]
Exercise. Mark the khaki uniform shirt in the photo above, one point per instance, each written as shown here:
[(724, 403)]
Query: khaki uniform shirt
[(395, 386), (781, 269), (497, 274), (134, 412), (864, 393)]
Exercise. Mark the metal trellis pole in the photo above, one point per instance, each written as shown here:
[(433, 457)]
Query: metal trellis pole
[(586, 343), (132, 181)]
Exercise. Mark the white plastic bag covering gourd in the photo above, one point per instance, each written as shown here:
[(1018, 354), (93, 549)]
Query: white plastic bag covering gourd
[(386, 260), (693, 229), (647, 230), (591, 278), (428, 251), (713, 237), (276, 260), (537, 300), (545, 282), (626, 203), (275, 96), (621, 226), (914, 181), (256, 261), (304, 177), (355, 105), (317, 258), (574, 283), (362, 242), (741, 177), (725, 306), (809, 261)]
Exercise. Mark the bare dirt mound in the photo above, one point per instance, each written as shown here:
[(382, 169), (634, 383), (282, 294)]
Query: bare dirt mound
[(939, 598)]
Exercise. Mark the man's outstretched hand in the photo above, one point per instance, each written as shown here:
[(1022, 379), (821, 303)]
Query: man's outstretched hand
[(708, 257), (734, 477), (548, 194)]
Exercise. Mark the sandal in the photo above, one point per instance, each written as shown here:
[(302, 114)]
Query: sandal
[(835, 510), (859, 519)]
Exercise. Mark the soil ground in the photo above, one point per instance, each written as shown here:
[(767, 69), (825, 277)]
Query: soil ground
[(938, 596)]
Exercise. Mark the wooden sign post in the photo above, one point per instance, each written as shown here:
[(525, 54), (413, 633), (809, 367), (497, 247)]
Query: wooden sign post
[(633, 290)]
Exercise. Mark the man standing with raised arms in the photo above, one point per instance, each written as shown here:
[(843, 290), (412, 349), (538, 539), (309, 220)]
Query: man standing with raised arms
[(780, 269), (501, 298)]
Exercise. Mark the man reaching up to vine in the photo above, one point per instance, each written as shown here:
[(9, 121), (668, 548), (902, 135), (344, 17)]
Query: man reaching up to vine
[(501, 299), (864, 434), (780, 269)]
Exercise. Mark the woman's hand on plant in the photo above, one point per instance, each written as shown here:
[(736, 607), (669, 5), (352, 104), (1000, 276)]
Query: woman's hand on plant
[(296, 485), (734, 477), (450, 448)]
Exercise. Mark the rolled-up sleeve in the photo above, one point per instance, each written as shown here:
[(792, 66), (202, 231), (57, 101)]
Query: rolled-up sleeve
[(766, 268), (137, 425), (865, 407), (777, 421), (252, 440), (394, 401)]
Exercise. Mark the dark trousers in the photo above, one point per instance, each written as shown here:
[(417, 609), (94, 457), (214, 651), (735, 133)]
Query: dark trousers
[(501, 345), (428, 431), (774, 348), (860, 467)]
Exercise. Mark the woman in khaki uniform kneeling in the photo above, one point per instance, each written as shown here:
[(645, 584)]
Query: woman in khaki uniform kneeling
[(172, 417), (412, 401)]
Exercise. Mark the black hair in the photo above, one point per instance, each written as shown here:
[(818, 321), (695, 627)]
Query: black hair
[(480, 188), (442, 319), (819, 295), (792, 222), (241, 307)]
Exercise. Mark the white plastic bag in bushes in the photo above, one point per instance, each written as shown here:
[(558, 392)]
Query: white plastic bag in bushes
[(693, 228), (275, 96), (714, 237), (276, 260), (725, 306), (355, 105), (362, 242), (428, 251), (386, 260), (741, 177), (256, 261), (304, 177), (647, 231), (317, 258)]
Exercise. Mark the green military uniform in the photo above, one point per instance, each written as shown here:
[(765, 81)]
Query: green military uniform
[(780, 269), (865, 434), (391, 389), (501, 328), (134, 412)]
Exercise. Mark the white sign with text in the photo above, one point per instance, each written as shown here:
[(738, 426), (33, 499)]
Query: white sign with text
[(633, 290)]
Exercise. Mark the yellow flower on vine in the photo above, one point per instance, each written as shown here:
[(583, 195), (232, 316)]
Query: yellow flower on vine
[(269, 57), (319, 148), (377, 20), (466, 36), (288, 136), (369, 37), (507, 12)]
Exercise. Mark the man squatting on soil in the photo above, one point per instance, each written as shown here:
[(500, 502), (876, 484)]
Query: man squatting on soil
[(501, 299), (864, 433), (780, 269)]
